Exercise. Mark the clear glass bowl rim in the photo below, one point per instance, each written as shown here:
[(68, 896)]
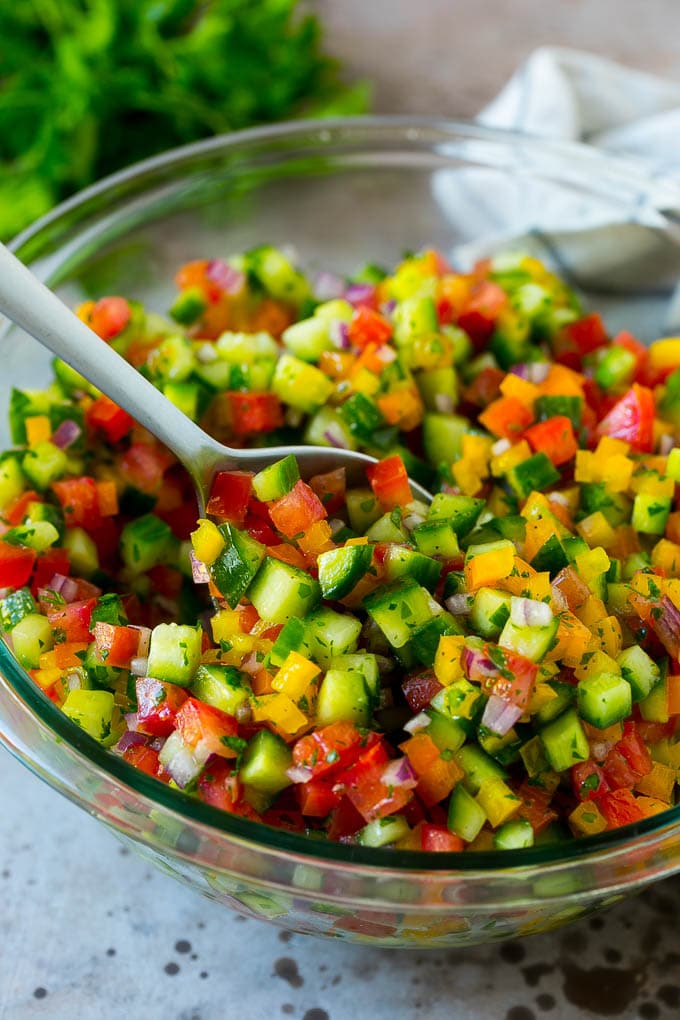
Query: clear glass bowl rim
[(424, 134)]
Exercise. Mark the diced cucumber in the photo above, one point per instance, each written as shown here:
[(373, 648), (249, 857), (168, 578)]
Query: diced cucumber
[(145, 542), (615, 506), (615, 367), (82, 551), (223, 687), (290, 639), (551, 557), (188, 306), (185, 396), (38, 535), (414, 317), (574, 546), (25, 404), (436, 538), (278, 275), (46, 512), (447, 733), (565, 742), (490, 612), (31, 636), (533, 757), (362, 416), (12, 480), (443, 436), (461, 701), (604, 699), (329, 634), (308, 338), (264, 764), (650, 513), (383, 831), (275, 481), (388, 528), (534, 474), (300, 385), (404, 562), (328, 428), (14, 607), (461, 511), (91, 710), (174, 653), (246, 348), (109, 609), (640, 670), (98, 673), (216, 374), (425, 639), (565, 696), (399, 609), (362, 509), (479, 767), (280, 591), (340, 570), (531, 642), (434, 383), (173, 360), (505, 750), (343, 697), (360, 662), (237, 566), (654, 708), (514, 835), (43, 464), (466, 818), (552, 405)]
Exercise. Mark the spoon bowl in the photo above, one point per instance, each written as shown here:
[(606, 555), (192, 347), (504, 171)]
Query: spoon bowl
[(33, 307)]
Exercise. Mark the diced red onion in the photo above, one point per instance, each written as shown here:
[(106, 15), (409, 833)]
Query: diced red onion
[(530, 613), (131, 739), (73, 680), (412, 520), (399, 773), (559, 599), (132, 721), (299, 774), (500, 446), (243, 713), (521, 370), (251, 664), (157, 743), (334, 441), (66, 434), (230, 280), (4, 592), (64, 586), (599, 749), (360, 294), (387, 307), (207, 354), (144, 638), (666, 444), (139, 666), (443, 402), (339, 334), (199, 571), (336, 525), (458, 604), (328, 286), (181, 762), (418, 722), (667, 627), (293, 417), (500, 715), (477, 664), (533, 371)]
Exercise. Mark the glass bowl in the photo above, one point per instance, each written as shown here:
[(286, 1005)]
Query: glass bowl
[(346, 192)]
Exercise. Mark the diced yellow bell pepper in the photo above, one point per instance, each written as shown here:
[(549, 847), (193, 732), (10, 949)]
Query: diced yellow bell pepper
[(598, 662), (468, 477), (365, 382), (541, 696), (609, 447), (207, 541), (664, 354), (485, 568), (616, 472), (607, 636), (573, 639), (45, 678), (586, 820), (38, 429), (562, 382), (317, 539), (538, 588), (651, 806), (591, 564), (650, 585), (359, 540), (651, 484), (592, 611), (504, 462), (497, 801), (658, 783), (225, 624), (281, 712), (295, 676), (447, 662), (538, 531), (666, 554), (523, 390), (477, 449), (668, 753), (596, 530)]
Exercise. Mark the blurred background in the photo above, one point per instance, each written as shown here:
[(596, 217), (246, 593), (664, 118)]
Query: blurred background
[(88, 86)]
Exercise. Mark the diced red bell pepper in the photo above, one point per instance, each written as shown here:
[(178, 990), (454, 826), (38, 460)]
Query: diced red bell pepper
[(439, 839), (620, 808), (254, 412), (72, 621), (587, 334), (389, 481), (634, 749), (536, 807), (116, 645), (260, 530), (374, 797), (295, 512), (420, 688), (219, 785), (368, 327), (331, 748), (369, 757), (202, 726), (618, 772), (143, 466), (158, 703), (554, 437), (146, 760), (330, 488), (479, 315), (107, 417), (109, 317), (317, 798), (16, 511), (229, 495), (79, 501), (632, 419), (344, 821), (588, 781), (49, 563), (16, 565)]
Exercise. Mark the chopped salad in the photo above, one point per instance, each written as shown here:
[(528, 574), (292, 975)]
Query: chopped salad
[(495, 670)]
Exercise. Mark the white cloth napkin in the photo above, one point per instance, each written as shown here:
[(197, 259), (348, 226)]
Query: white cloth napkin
[(567, 95)]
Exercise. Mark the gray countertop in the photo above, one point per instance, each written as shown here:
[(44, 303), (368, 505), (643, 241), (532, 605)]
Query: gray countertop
[(88, 931)]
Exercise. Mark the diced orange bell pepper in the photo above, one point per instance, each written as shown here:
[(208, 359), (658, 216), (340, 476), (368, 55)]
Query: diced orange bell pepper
[(554, 437), (506, 417)]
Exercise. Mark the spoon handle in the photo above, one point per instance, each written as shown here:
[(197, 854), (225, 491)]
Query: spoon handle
[(29, 303)]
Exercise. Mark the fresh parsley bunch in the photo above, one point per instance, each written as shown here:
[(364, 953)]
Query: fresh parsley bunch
[(88, 86)]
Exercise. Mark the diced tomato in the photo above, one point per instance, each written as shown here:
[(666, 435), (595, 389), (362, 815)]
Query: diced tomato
[(653, 732), (109, 317), (254, 412), (370, 756), (634, 749), (330, 488), (49, 563), (166, 581), (16, 565), (206, 728), (295, 512), (389, 481), (284, 818), (344, 820), (16, 511), (219, 785), (554, 437), (536, 806), (260, 530), (107, 417), (116, 645), (420, 688), (248, 616), (143, 465), (618, 772), (72, 621), (106, 537), (632, 419), (484, 388), (587, 333), (588, 781), (158, 703), (483, 307), (368, 327), (331, 748), (146, 759), (317, 798), (229, 495), (515, 679), (439, 839), (620, 808), (375, 797), (79, 501)]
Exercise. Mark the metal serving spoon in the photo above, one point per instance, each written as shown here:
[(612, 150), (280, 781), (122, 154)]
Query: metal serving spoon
[(37, 310)]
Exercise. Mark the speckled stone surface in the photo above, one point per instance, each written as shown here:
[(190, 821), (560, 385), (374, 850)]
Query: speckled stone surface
[(89, 932)]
